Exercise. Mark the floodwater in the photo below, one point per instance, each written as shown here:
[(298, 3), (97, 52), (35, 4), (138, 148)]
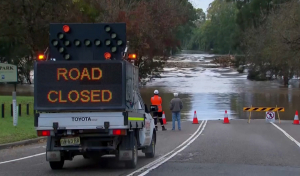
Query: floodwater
[(211, 91)]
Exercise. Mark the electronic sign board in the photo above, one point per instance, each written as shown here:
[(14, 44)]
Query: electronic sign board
[(79, 85)]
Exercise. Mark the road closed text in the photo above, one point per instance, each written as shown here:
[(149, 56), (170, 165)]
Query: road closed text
[(84, 96), (90, 74)]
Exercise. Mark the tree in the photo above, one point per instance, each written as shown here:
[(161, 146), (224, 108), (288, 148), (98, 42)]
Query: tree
[(274, 44), (152, 26)]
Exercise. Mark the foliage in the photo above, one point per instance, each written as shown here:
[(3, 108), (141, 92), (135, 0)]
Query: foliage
[(274, 46), (154, 28), (219, 30)]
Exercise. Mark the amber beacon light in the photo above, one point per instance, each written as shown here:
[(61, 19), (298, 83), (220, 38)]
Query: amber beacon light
[(41, 57), (132, 56)]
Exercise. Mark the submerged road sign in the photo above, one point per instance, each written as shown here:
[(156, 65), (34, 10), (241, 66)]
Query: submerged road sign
[(8, 73)]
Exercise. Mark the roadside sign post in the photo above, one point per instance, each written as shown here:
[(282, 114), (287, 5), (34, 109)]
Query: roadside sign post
[(9, 74), (15, 109)]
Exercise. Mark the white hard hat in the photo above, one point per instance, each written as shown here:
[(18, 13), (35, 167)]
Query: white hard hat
[(156, 92), (175, 94)]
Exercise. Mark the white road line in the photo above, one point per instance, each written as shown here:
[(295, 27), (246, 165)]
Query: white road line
[(163, 158), (31, 156), (287, 135), (175, 153), (147, 166)]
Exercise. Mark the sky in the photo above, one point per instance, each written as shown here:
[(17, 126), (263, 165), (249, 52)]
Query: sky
[(203, 4)]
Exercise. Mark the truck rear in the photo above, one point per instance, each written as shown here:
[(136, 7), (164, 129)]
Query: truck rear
[(87, 100)]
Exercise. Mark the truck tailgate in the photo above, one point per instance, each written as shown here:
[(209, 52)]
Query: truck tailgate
[(91, 120)]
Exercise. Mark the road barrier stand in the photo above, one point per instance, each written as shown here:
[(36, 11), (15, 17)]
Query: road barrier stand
[(265, 109)]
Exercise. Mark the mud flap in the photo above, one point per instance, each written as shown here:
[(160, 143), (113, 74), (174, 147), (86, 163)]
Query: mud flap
[(126, 147), (53, 156)]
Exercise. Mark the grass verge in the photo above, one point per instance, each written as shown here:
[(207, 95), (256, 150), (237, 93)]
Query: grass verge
[(25, 128)]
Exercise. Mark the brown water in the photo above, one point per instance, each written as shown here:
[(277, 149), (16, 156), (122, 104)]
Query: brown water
[(210, 92)]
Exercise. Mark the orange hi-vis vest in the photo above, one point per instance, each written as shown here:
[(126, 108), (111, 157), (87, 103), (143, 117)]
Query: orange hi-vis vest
[(157, 100)]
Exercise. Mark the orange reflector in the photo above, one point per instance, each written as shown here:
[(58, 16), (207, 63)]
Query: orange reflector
[(132, 56), (43, 133), (119, 132), (66, 28), (107, 55), (41, 57)]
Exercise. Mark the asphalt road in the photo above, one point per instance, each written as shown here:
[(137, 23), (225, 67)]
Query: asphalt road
[(213, 148), (37, 165), (237, 149)]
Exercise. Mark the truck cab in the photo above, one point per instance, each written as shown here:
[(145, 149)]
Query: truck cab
[(87, 99)]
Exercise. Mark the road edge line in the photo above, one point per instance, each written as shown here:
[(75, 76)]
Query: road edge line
[(286, 134), (175, 153), (162, 157)]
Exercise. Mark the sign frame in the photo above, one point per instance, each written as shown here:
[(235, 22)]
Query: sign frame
[(16, 79), (81, 108), (266, 109)]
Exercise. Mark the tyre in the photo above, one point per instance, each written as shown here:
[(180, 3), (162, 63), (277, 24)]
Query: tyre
[(56, 165), (133, 162), (85, 157), (151, 149)]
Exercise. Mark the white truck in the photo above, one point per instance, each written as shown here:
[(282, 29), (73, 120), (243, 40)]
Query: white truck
[(87, 100)]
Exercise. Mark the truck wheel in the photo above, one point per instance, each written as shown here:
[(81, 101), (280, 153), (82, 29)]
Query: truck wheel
[(85, 156), (151, 148), (56, 165), (133, 162)]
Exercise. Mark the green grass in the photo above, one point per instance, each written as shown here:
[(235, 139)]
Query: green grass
[(24, 129)]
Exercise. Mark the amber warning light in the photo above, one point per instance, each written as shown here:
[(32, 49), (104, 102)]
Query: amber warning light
[(132, 56), (41, 57)]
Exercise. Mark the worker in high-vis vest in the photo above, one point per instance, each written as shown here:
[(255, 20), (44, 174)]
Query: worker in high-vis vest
[(157, 100)]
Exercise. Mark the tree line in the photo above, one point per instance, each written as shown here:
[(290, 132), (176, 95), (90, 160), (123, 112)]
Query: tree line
[(265, 32), (155, 28)]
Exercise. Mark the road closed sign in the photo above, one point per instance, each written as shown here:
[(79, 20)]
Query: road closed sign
[(8, 73), (270, 116)]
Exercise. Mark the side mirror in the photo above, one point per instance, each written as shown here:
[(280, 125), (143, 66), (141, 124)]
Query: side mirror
[(146, 109)]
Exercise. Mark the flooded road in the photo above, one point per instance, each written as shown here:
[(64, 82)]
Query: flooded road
[(210, 91)]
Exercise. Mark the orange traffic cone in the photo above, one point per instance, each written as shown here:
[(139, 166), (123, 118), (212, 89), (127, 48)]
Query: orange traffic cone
[(296, 119), (226, 120), (164, 118), (195, 120)]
